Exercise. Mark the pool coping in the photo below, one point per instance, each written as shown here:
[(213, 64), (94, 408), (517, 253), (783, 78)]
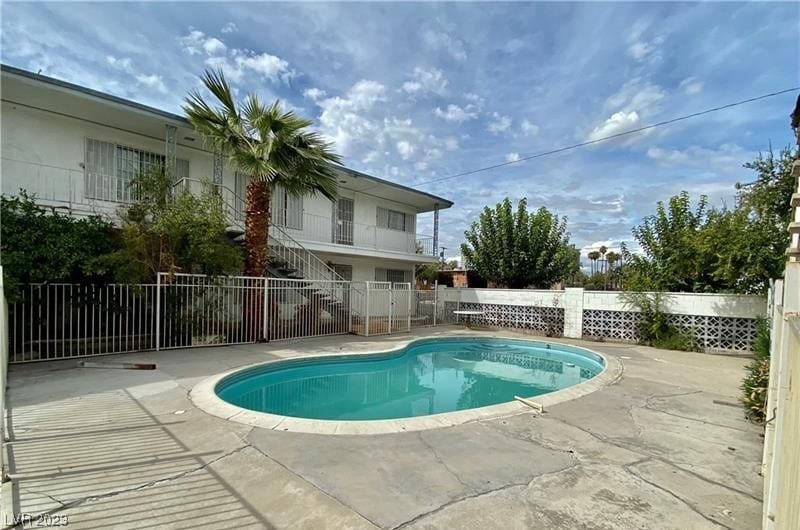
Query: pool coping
[(205, 398)]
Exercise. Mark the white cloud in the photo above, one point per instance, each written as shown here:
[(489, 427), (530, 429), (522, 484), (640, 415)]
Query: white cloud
[(214, 46), (529, 128), (152, 81), (267, 65), (314, 94), (230, 27), (636, 100), (500, 124), (691, 85), (727, 158), (123, 64), (440, 40), (235, 63), (451, 144), (405, 149), (512, 157), (193, 41), (423, 81), (457, 114), (342, 119), (641, 48), (617, 123)]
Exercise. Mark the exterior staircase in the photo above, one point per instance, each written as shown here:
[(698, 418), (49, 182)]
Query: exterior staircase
[(311, 277)]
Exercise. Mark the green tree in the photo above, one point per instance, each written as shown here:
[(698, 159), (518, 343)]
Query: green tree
[(40, 245), (672, 257), (706, 249), (274, 147), (518, 249), (166, 232)]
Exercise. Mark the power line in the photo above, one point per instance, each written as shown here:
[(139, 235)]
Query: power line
[(610, 137)]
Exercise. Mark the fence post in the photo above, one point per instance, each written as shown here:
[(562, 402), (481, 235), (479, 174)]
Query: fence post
[(410, 292), (367, 311), (435, 300), (158, 311), (265, 309), (391, 306), (349, 298)]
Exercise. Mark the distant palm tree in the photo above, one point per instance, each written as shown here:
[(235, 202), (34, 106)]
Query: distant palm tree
[(593, 256), (612, 258), (275, 148), (602, 250)]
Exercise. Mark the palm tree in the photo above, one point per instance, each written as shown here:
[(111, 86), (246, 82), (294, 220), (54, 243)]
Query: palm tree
[(612, 257), (593, 256), (272, 146), (602, 250)]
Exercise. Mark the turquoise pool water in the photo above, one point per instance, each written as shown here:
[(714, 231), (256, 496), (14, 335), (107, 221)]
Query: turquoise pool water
[(429, 376)]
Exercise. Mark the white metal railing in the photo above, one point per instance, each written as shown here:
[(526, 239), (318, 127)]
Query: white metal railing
[(60, 321), (395, 308), (197, 310), (300, 309), (321, 229)]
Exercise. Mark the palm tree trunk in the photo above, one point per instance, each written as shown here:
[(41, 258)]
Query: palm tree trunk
[(256, 228), (256, 241)]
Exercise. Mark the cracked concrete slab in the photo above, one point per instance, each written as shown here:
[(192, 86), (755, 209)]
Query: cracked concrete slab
[(395, 477), (128, 449), (581, 497)]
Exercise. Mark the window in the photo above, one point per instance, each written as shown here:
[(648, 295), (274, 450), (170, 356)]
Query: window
[(393, 275), (109, 169), (395, 220), (287, 210)]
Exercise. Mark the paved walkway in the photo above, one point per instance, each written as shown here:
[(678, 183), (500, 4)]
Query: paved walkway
[(127, 449)]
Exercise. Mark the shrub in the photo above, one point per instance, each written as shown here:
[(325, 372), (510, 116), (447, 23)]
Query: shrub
[(41, 245), (653, 326), (756, 382)]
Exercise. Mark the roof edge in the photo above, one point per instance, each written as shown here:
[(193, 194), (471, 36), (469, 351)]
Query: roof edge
[(4, 68)]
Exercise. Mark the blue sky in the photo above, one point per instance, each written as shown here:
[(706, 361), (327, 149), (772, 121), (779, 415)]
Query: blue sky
[(415, 92)]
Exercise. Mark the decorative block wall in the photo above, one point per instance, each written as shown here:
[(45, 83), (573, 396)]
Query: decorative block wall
[(713, 333), (719, 322), (546, 320)]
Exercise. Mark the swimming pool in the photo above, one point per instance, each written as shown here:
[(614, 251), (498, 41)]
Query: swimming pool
[(428, 376)]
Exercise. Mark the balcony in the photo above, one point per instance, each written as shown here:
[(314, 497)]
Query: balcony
[(72, 191), (321, 229)]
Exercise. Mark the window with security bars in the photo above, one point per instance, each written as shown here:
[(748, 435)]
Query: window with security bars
[(395, 220), (393, 275), (109, 169), (286, 210)]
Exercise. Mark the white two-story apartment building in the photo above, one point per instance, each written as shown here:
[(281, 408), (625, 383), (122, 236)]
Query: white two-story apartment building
[(77, 149)]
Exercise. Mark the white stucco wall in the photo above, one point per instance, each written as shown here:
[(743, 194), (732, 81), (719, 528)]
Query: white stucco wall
[(725, 305), (44, 152)]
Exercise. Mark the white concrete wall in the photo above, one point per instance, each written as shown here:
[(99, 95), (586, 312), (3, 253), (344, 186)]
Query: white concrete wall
[(526, 297), (575, 300), (724, 305)]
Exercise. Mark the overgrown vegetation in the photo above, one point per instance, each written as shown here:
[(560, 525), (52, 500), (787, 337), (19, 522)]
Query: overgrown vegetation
[(161, 232), (166, 231), (42, 245), (518, 249), (702, 249), (653, 326), (756, 382)]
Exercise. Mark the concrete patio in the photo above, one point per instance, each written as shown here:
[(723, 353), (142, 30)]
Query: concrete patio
[(112, 448)]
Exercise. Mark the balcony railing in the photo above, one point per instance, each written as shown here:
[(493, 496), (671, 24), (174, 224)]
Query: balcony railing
[(321, 229), (74, 191)]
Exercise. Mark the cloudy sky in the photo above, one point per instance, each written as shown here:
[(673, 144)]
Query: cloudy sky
[(417, 92)]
